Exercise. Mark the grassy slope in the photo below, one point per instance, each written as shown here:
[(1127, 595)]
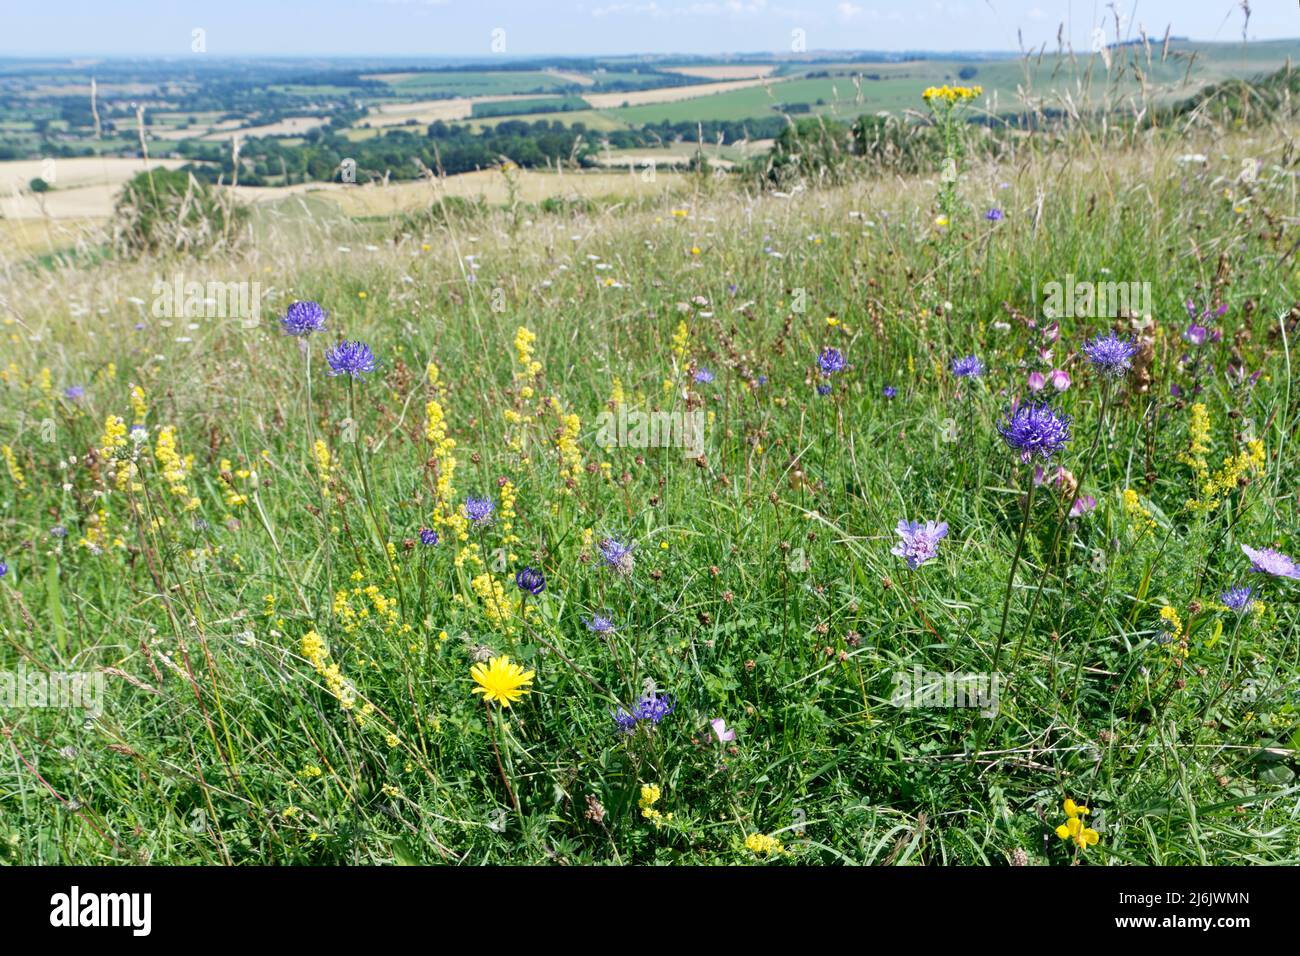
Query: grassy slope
[(214, 720)]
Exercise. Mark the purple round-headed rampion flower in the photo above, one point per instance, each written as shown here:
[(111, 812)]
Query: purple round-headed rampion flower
[(654, 708), (1034, 429), (1268, 561), (74, 393), (478, 510), (1239, 599), (351, 358), (428, 536), (703, 376), (968, 366), (994, 215), (530, 580), (824, 388), (303, 318), (626, 722), (1110, 355), (889, 391), (600, 624), (831, 361), (920, 542), (617, 555), (4, 569), (651, 707)]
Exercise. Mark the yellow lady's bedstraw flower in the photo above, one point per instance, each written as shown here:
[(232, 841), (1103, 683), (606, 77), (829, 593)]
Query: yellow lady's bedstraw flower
[(501, 681), (763, 845)]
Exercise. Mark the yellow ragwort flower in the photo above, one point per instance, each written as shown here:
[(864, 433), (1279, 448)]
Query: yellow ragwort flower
[(501, 681)]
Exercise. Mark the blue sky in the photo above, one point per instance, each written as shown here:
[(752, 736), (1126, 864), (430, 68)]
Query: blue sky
[(547, 27)]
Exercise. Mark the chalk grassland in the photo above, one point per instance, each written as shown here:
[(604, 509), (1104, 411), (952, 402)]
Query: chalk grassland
[(489, 186), (76, 215), (288, 666)]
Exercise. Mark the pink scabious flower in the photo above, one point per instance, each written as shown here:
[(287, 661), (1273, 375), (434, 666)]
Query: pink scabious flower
[(1268, 561), (920, 541)]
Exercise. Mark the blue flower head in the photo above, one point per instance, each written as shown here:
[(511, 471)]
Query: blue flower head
[(478, 510), (303, 318), (1034, 429), (1110, 355), (351, 358)]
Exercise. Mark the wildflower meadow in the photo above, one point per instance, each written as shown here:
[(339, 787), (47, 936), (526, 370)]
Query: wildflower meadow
[(726, 525)]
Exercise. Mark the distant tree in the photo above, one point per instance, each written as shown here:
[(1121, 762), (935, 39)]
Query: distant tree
[(38, 185), (967, 72)]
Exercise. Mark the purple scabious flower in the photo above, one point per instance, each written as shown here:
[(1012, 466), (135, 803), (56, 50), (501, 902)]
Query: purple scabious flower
[(530, 580), (1035, 429), (74, 393), (303, 318), (703, 376), (994, 215), (478, 510), (831, 361), (1110, 355), (968, 366), (350, 358), (599, 624), (616, 555), (428, 536), (889, 391), (1268, 561), (1239, 599), (920, 542)]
